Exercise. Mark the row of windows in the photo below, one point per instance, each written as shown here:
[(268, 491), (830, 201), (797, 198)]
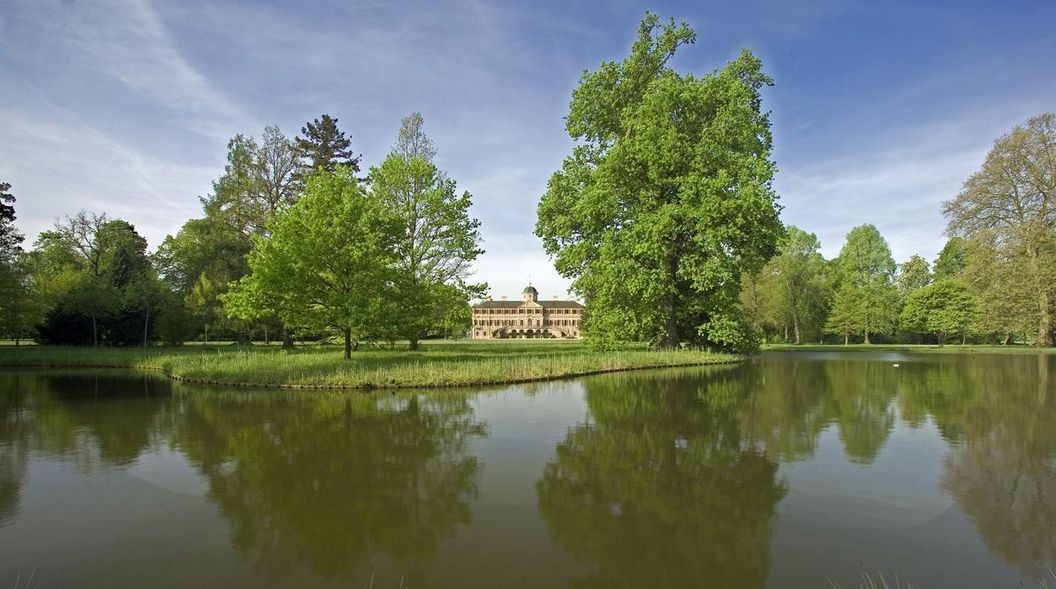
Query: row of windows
[(528, 311), (521, 322)]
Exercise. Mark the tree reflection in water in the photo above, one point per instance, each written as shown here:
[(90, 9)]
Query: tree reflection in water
[(1003, 471), (331, 482), (662, 488), (92, 419)]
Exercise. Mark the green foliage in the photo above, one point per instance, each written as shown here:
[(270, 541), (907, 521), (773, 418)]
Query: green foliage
[(324, 146), (667, 199), (952, 259), (10, 238), (846, 316), (93, 277), (328, 263), (435, 241), (1009, 208), (944, 308), (913, 275), (865, 273), (794, 287)]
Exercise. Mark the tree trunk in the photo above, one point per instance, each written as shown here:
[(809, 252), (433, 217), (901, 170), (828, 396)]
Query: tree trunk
[(670, 303), (795, 326), (95, 332), (146, 326), (1043, 318), (348, 343), (846, 338), (413, 344), (964, 338), (207, 334), (287, 339), (867, 337)]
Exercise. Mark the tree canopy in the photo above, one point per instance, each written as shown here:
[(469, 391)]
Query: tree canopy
[(1010, 204), (327, 263), (666, 199), (437, 239)]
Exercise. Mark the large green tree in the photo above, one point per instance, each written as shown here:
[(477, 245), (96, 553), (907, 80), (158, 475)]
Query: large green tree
[(666, 200), (437, 240), (846, 316), (799, 272), (1011, 203), (90, 271), (865, 266), (260, 180), (327, 262)]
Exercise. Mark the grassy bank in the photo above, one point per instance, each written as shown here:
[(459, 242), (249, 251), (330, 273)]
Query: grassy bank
[(438, 364), (931, 349)]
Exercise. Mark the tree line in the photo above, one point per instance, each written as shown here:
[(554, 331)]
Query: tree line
[(292, 241), (993, 282)]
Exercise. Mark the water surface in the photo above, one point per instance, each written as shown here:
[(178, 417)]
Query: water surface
[(786, 471)]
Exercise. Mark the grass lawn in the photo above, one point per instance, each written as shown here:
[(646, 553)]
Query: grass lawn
[(931, 349), (438, 363)]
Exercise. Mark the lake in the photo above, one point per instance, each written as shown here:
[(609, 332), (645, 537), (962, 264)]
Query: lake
[(786, 471)]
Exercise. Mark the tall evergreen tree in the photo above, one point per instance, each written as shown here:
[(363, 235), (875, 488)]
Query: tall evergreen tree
[(10, 238), (323, 145), (15, 299)]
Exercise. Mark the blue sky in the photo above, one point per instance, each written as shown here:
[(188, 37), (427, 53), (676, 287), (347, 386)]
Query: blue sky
[(880, 109)]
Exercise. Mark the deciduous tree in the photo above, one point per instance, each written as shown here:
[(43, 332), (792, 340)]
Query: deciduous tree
[(944, 308), (913, 275), (1011, 203), (328, 262), (437, 239), (865, 266), (667, 199), (952, 259)]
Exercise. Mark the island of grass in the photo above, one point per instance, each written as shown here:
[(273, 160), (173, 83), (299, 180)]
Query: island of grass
[(436, 364)]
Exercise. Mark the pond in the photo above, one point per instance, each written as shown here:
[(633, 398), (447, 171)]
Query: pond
[(786, 471)]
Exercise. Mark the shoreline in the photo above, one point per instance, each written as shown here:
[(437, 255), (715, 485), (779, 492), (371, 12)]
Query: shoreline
[(390, 370), (920, 348)]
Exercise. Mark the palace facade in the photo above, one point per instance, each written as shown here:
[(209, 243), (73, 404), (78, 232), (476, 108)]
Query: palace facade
[(528, 318)]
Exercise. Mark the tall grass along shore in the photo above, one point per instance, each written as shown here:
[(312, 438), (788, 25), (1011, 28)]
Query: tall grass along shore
[(439, 364), (916, 348)]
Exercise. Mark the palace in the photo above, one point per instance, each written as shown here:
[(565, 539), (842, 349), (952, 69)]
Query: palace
[(528, 318)]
